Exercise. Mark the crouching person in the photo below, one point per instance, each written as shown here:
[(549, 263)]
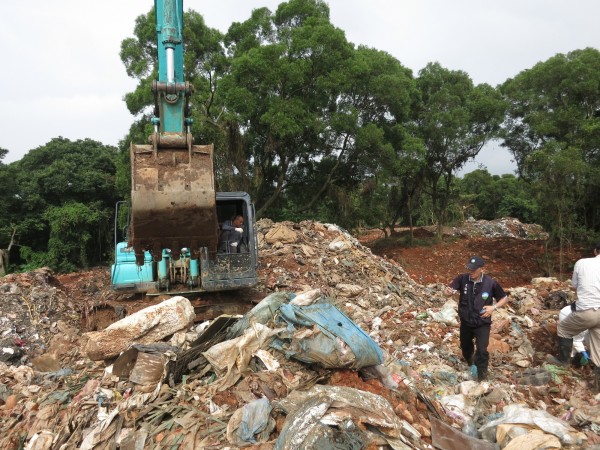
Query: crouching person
[(586, 316), (579, 353)]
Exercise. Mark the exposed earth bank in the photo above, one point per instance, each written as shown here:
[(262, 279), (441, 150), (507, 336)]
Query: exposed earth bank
[(514, 260)]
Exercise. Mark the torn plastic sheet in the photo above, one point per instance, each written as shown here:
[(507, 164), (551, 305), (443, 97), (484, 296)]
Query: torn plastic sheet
[(261, 313), (321, 333), (230, 358), (447, 314), (520, 414), (342, 408), (251, 424)]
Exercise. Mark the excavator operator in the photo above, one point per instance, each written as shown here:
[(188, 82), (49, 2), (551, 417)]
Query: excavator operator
[(232, 233)]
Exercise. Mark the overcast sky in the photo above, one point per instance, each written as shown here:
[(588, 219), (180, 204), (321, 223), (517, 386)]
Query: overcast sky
[(61, 73)]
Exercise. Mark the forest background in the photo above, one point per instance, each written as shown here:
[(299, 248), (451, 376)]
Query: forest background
[(314, 127)]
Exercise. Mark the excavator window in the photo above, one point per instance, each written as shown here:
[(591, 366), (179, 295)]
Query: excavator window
[(228, 210)]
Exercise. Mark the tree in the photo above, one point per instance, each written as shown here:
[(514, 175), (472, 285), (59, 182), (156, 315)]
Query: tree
[(555, 111), (556, 100), (75, 229), (363, 140), (284, 78), (300, 118), (454, 119), (60, 173), (11, 207), (489, 197), (7, 206), (559, 175)]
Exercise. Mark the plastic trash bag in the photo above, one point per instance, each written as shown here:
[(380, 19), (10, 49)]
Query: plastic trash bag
[(320, 333), (251, 424), (448, 314), (313, 414), (520, 414), (261, 313)]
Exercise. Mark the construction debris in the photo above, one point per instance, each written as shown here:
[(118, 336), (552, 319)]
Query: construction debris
[(144, 327), (155, 379)]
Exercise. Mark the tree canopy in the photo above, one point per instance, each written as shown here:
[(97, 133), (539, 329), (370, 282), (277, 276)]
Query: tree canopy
[(62, 194), (552, 128), (315, 127)]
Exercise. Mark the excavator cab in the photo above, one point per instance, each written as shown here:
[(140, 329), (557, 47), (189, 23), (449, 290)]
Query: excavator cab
[(210, 270), (172, 236)]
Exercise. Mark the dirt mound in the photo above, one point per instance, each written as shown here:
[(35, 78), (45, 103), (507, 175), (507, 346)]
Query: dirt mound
[(515, 253)]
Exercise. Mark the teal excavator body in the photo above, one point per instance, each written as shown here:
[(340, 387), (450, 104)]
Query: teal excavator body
[(170, 242)]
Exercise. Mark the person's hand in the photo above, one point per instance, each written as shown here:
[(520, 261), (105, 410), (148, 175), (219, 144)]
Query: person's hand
[(488, 310), (234, 244), (239, 230), (449, 291)]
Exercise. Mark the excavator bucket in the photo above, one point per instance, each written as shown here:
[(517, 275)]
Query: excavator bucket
[(172, 200)]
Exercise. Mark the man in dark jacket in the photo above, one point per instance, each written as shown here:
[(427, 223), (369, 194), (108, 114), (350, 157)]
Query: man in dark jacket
[(231, 235), (475, 307)]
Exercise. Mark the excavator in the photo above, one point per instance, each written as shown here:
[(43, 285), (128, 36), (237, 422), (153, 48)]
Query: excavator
[(170, 243)]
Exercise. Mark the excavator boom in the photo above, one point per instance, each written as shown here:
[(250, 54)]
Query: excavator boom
[(173, 195)]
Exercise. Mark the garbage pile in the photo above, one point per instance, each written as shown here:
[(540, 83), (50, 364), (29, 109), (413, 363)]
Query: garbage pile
[(344, 351), (32, 310), (503, 227)]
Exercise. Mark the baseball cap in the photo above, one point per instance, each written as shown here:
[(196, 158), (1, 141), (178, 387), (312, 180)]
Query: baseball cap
[(475, 262)]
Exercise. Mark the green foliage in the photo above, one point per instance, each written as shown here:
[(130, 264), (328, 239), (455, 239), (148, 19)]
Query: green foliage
[(488, 197), (454, 119), (9, 203), (552, 128), (31, 259), (73, 228), (60, 173), (283, 82), (556, 100), (314, 127), (560, 176)]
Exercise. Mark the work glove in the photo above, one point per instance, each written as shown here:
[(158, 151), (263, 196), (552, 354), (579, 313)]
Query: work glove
[(239, 230), (585, 358), (234, 244)]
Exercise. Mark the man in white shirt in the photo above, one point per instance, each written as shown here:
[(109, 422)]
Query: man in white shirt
[(579, 341), (586, 279)]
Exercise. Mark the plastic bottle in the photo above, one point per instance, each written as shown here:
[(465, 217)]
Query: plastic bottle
[(474, 371), (585, 358)]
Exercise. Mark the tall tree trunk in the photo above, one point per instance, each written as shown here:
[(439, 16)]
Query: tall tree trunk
[(278, 189), (5, 253), (3, 262), (327, 181)]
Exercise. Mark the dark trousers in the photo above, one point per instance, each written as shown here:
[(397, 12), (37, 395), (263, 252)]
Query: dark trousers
[(481, 334)]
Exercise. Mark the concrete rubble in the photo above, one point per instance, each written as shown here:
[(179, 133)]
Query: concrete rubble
[(63, 388)]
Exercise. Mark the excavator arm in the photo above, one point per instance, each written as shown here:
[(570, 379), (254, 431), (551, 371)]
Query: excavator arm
[(172, 239), (173, 194)]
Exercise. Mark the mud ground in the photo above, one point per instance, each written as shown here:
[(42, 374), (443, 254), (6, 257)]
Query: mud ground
[(512, 261)]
